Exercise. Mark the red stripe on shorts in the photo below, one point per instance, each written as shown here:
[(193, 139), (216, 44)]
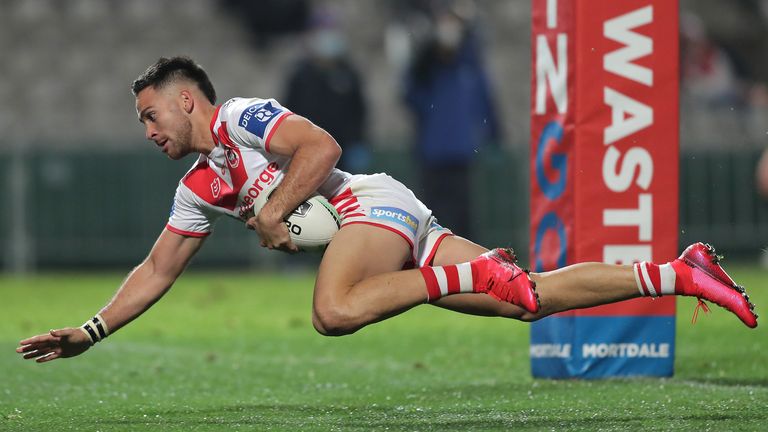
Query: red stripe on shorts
[(351, 201), (431, 256), (340, 197)]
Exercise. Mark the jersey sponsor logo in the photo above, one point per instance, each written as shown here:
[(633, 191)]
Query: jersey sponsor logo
[(216, 187), (265, 178), (233, 160), (256, 117), (396, 215), (246, 212)]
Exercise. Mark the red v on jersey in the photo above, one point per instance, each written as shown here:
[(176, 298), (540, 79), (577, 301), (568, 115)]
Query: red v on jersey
[(211, 187), (234, 158)]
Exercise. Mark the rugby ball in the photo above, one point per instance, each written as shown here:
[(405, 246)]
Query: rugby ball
[(313, 224)]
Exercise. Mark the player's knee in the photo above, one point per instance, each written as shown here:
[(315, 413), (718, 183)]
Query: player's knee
[(530, 317), (332, 320), (520, 315), (318, 325), (545, 310), (508, 310)]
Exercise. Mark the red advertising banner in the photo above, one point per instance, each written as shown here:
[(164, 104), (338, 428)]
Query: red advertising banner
[(604, 156), (552, 135)]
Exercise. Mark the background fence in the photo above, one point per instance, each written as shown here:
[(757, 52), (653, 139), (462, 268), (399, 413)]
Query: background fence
[(105, 208)]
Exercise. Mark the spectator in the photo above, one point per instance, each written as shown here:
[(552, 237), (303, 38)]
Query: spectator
[(761, 180), (447, 89), (326, 88), (707, 71), (761, 175)]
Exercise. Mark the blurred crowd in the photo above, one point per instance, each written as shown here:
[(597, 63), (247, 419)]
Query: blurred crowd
[(722, 68), (444, 86), (724, 71), (252, 47)]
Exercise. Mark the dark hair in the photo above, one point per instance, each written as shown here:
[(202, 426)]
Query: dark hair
[(167, 70)]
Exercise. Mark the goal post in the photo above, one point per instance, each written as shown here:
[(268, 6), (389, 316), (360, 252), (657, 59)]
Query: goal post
[(604, 175)]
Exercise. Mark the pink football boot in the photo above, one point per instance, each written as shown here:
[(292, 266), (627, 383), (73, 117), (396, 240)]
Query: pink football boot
[(499, 277), (700, 275)]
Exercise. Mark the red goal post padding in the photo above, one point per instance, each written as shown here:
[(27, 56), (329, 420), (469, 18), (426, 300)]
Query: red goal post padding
[(604, 174)]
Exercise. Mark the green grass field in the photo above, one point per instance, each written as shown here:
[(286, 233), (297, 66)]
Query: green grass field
[(238, 352)]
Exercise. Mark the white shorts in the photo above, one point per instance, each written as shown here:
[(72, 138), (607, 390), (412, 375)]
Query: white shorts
[(382, 201)]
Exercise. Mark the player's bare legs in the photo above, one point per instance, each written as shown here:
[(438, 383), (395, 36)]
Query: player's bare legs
[(575, 286), (359, 280), (696, 273)]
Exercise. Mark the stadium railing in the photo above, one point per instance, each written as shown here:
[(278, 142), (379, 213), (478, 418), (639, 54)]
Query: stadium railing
[(101, 208)]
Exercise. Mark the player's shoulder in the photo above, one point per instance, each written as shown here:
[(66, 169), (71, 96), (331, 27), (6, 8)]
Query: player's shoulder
[(251, 118), (241, 111)]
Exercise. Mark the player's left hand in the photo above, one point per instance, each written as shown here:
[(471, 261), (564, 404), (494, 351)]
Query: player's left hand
[(273, 233), (61, 343)]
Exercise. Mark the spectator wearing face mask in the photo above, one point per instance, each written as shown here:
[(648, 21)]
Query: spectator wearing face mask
[(447, 90), (325, 87)]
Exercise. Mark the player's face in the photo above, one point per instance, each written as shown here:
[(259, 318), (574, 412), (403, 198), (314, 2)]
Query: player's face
[(165, 122)]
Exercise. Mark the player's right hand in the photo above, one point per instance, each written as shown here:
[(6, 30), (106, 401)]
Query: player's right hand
[(66, 342), (272, 231)]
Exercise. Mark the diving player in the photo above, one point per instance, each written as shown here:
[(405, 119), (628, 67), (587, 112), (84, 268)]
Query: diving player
[(390, 253)]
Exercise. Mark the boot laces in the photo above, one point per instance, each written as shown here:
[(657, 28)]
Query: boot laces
[(699, 305)]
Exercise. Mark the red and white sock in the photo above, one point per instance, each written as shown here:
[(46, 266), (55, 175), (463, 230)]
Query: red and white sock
[(655, 280), (446, 280)]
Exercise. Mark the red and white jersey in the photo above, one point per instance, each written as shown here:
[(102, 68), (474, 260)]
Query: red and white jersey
[(227, 181)]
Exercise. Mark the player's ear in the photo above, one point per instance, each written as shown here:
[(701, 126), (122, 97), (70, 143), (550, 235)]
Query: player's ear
[(187, 101)]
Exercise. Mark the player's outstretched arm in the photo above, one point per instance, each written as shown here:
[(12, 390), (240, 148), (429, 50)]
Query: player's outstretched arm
[(141, 289)]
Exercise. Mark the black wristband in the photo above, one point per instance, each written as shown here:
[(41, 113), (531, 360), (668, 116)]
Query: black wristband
[(96, 329)]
